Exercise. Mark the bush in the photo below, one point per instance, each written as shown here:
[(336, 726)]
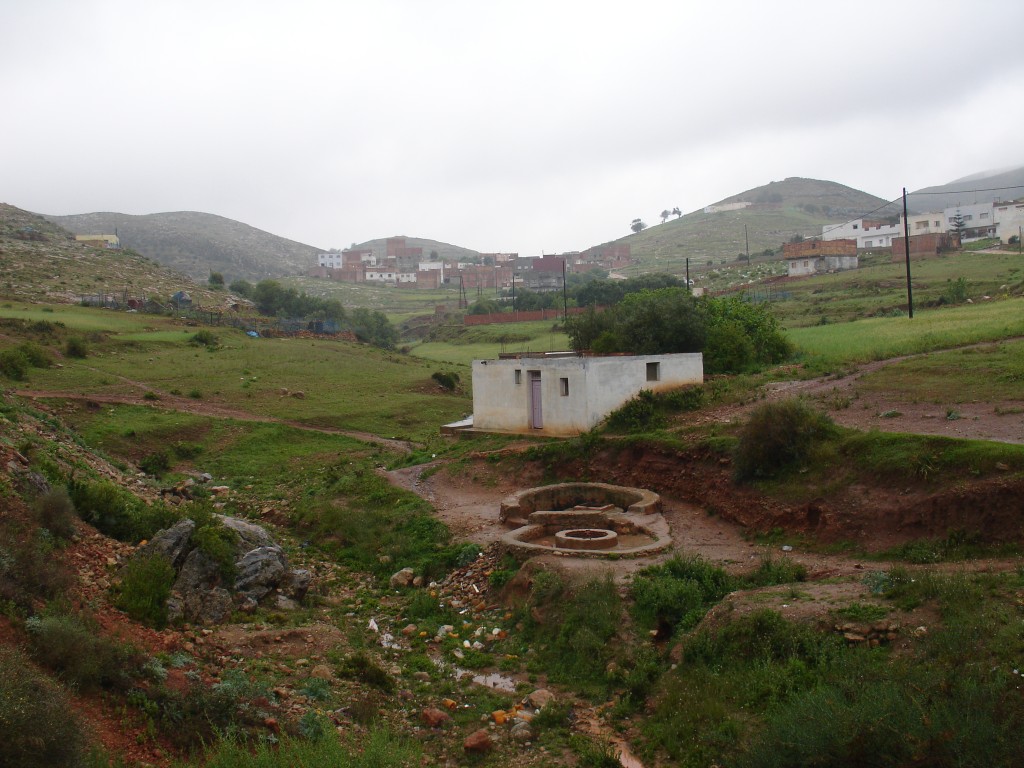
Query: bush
[(14, 364), (145, 586), (361, 667), (447, 379), (70, 646), (728, 349), (677, 593), (38, 728), (571, 629), (777, 436), (204, 338), (28, 568), (76, 347), (37, 356), (155, 464), (117, 513), (56, 513)]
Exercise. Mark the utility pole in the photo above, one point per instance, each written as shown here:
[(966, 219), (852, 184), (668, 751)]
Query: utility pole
[(906, 248), (688, 275), (565, 296)]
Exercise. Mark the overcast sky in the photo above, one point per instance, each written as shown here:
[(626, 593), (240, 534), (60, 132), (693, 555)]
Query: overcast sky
[(499, 126)]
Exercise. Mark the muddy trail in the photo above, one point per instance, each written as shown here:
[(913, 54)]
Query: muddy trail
[(191, 406)]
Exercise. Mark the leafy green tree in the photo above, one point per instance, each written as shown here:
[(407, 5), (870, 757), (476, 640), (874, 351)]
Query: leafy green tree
[(374, 328), (216, 280), (242, 287), (665, 214), (637, 226)]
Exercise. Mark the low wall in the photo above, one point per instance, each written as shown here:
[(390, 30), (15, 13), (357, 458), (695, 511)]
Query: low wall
[(566, 495)]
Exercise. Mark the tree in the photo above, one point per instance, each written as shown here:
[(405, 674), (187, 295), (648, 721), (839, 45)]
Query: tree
[(216, 280), (242, 288), (957, 224), (676, 212), (665, 214), (638, 226)]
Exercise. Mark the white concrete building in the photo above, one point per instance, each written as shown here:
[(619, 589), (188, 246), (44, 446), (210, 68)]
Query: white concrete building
[(926, 224), (867, 233), (567, 394), (1009, 220), (332, 259), (977, 219), (381, 275)]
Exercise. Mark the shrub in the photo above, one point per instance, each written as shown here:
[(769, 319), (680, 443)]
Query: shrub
[(56, 513), (117, 513), (145, 586), (13, 364), (155, 464), (640, 414), (361, 667), (677, 593), (772, 571), (184, 450), (571, 629), (38, 728), (204, 338), (447, 379), (37, 356), (777, 436), (28, 569), (70, 646), (728, 349), (76, 347)]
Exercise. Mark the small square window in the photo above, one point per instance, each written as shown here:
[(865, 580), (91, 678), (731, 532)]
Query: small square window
[(654, 371), (563, 386), (519, 376)]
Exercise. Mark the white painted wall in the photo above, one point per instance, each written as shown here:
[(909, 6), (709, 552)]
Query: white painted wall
[(596, 387), (1009, 219), (926, 224)]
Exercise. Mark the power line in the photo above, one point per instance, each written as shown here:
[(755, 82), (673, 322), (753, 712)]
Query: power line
[(965, 191)]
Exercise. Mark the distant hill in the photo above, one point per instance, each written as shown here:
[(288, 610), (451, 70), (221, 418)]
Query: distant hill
[(200, 243), (444, 251), (776, 213), (40, 261), (978, 188)]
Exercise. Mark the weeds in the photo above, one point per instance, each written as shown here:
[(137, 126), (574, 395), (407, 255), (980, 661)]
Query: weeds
[(778, 436), (38, 728)]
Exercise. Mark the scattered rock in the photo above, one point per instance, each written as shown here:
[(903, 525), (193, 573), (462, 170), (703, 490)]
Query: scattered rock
[(540, 698), (478, 742), (434, 717), (402, 579)]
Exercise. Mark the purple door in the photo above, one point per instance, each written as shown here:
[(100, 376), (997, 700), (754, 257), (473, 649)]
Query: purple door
[(536, 410)]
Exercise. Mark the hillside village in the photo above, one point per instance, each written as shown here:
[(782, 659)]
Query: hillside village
[(225, 546)]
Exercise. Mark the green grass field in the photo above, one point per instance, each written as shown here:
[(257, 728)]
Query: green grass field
[(825, 348), (879, 287), (343, 384)]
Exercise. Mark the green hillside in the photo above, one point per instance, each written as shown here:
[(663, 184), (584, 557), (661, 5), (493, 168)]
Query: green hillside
[(200, 243), (777, 212), (41, 261)]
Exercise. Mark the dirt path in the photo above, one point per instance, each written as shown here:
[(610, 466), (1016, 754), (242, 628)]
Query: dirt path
[(839, 396), (179, 404)]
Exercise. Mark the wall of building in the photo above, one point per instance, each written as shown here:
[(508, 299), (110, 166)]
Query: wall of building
[(1009, 219), (815, 248), (576, 392)]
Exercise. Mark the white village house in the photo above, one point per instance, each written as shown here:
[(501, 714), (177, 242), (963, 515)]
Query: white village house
[(566, 394)]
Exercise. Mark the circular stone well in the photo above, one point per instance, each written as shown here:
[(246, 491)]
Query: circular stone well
[(586, 538)]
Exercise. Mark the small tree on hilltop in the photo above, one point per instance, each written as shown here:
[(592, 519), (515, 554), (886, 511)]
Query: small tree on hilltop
[(676, 212), (638, 226), (216, 280), (665, 214)]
